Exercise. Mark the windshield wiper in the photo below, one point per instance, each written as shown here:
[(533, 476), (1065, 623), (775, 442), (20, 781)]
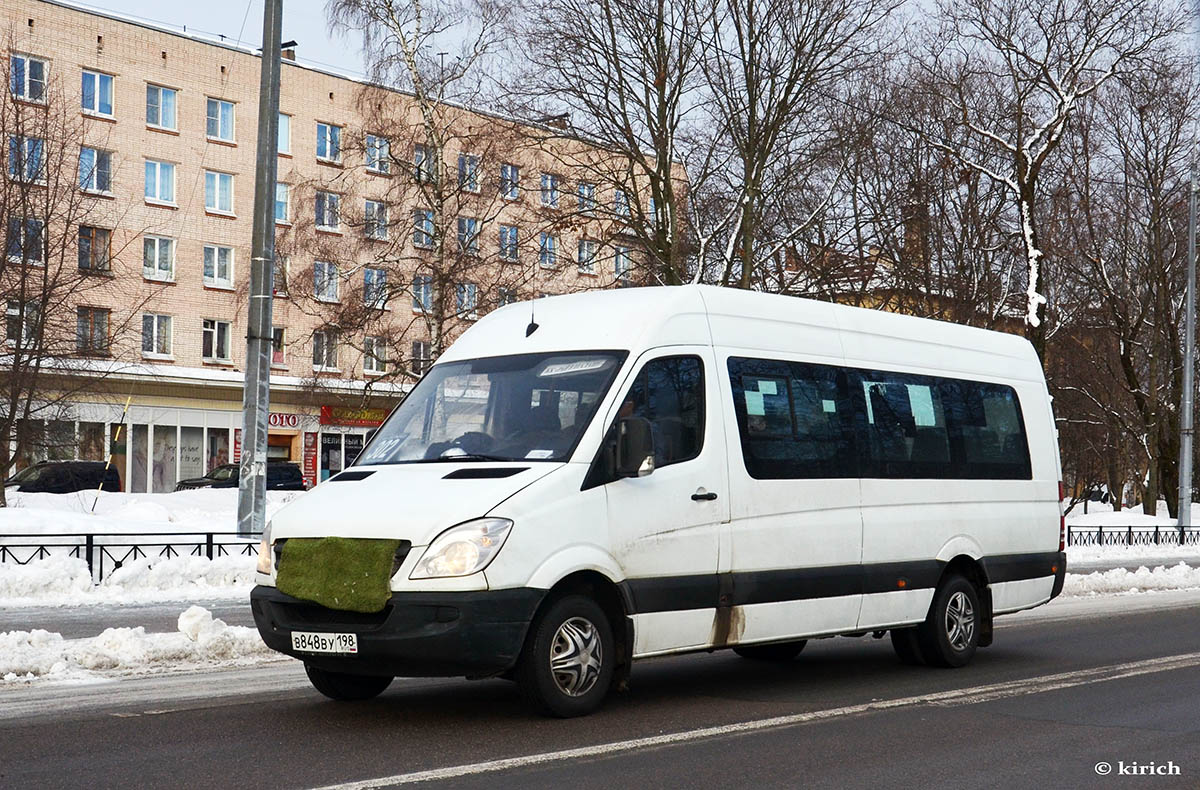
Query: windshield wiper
[(470, 457)]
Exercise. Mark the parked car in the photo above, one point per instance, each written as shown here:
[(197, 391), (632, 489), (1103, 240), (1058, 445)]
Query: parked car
[(65, 477), (281, 476)]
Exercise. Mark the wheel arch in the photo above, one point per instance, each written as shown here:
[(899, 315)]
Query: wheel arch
[(613, 599), (971, 569)]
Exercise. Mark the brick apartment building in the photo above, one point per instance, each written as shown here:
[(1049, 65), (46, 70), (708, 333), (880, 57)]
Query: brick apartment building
[(166, 151)]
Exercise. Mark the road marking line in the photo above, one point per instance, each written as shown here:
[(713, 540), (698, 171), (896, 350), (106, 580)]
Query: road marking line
[(965, 696)]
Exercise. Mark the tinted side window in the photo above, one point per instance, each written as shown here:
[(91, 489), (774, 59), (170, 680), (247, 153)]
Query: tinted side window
[(669, 392), (795, 419), (987, 430), (906, 433)]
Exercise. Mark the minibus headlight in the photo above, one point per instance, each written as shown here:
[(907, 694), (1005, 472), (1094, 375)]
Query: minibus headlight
[(463, 550), (264, 551)]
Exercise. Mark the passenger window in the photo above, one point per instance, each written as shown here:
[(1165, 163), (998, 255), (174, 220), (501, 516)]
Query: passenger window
[(906, 431), (669, 392), (989, 430)]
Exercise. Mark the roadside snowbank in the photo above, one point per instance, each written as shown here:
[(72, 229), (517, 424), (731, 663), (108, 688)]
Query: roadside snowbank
[(1121, 580), (200, 642)]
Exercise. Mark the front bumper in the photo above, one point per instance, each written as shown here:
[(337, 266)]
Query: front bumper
[(473, 634)]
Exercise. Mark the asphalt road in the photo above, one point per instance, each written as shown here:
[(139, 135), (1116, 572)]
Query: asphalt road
[(1064, 688)]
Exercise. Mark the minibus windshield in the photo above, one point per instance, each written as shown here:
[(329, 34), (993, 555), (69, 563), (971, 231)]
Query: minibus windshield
[(524, 407)]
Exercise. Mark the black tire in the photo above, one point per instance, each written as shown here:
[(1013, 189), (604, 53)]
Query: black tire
[(344, 687), (778, 651), (906, 644), (950, 634), (576, 630)]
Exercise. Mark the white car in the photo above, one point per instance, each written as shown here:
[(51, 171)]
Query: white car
[(586, 480)]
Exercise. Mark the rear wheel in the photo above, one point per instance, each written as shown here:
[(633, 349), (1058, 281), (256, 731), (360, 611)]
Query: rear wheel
[(779, 651), (567, 665), (345, 687), (950, 634)]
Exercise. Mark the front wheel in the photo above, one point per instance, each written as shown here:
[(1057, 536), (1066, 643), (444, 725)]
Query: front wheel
[(779, 651), (566, 667), (344, 687), (950, 634)]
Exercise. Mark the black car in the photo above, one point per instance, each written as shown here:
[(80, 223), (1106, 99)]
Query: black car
[(281, 476), (65, 477)]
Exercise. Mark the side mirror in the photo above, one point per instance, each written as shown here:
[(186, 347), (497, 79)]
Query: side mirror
[(635, 447)]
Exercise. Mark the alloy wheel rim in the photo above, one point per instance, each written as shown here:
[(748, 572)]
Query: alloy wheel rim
[(960, 621), (576, 655)]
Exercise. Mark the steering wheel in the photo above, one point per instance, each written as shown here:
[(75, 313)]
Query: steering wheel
[(474, 442)]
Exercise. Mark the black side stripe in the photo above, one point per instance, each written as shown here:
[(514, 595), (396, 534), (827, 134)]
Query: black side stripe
[(708, 590)]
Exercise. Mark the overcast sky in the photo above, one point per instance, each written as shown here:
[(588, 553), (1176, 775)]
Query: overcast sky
[(303, 21)]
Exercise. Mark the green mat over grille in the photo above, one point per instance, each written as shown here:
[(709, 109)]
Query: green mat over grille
[(351, 574)]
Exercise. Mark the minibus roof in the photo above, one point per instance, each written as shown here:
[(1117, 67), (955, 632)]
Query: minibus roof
[(637, 319)]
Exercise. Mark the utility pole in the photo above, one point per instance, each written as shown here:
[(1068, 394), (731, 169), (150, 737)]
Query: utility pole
[(256, 396)]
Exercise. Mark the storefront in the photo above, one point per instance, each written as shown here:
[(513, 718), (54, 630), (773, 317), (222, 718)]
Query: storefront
[(344, 432)]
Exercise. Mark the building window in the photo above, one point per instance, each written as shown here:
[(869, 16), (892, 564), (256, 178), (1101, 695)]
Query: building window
[(25, 158), (510, 181), (214, 340), (218, 266), (466, 298), (587, 197), (622, 263), (379, 158), (95, 245), (218, 192), (158, 258), (468, 172), (283, 203), (95, 170), (325, 345), (507, 296), (24, 241), (468, 235), (374, 355), (587, 256), (547, 255), (550, 190), (278, 358), (327, 211), (220, 120), (325, 281), (21, 323), (97, 96), (420, 360), (283, 140), (279, 275), (27, 78), (423, 227), (160, 181), (375, 288), (329, 142), (508, 242), (156, 335), (160, 107), (91, 330), (375, 217), (422, 290), (424, 168), (620, 203)]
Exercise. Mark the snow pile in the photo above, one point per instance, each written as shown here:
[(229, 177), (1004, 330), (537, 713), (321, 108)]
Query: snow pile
[(1121, 580), (65, 581), (201, 641)]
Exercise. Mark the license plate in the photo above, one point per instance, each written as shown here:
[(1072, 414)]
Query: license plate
[(307, 642)]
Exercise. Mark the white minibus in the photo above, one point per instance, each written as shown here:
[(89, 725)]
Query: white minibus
[(590, 479)]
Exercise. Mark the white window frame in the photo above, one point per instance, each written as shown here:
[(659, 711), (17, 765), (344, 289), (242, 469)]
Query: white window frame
[(216, 280), (287, 204), (215, 330), (424, 169), (18, 166), (219, 118), (587, 264), (157, 332), (159, 168), (378, 151), (22, 227), (283, 139), (328, 339), (381, 298), (622, 255), (468, 172), (325, 274), (422, 305), (23, 92), (468, 235), (157, 273), (212, 198), (419, 230), (331, 136), (514, 247), (92, 186), (548, 251), (174, 107), (282, 264), (374, 351), (333, 204), (98, 78), (550, 191), (282, 331), (510, 181), (375, 220), (422, 359), (28, 325), (585, 193), (466, 307)]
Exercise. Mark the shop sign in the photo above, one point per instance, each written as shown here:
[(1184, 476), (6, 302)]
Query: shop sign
[(353, 418), (237, 446), (310, 459), (283, 420)]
